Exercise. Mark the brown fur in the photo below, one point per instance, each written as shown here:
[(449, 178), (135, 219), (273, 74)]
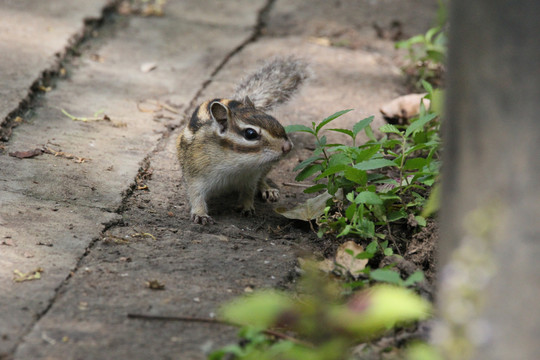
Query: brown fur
[(215, 155)]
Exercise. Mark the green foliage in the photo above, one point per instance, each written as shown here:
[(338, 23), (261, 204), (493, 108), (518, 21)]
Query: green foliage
[(324, 323), (427, 52), (383, 181)]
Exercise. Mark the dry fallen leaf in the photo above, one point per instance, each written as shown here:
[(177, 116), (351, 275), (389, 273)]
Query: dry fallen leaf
[(143, 235), (323, 41), (26, 154), (346, 257), (147, 67), (8, 241), (404, 107), (32, 275), (155, 285), (345, 260), (326, 265), (311, 209), (97, 58)]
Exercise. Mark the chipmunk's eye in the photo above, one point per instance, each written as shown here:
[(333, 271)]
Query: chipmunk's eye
[(251, 134)]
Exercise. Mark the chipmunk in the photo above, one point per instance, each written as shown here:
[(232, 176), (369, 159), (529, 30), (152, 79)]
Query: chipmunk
[(231, 144)]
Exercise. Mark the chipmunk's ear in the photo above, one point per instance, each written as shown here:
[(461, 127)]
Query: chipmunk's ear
[(221, 114), (247, 101)]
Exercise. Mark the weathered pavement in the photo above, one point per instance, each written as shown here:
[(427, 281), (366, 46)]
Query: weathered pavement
[(82, 219)]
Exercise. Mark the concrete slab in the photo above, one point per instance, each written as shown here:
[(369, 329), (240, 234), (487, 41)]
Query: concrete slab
[(33, 35), (106, 77), (354, 20), (39, 234)]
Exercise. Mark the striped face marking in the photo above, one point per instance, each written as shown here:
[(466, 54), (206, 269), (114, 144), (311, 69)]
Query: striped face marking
[(239, 126)]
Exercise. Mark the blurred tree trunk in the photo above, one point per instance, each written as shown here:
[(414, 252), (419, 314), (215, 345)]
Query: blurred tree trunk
[(489, 295)]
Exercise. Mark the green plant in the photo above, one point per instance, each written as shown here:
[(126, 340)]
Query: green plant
[(320, 321), (427, 52), (383, 181)]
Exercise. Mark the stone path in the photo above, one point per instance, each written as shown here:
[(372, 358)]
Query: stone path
[(78, 211)]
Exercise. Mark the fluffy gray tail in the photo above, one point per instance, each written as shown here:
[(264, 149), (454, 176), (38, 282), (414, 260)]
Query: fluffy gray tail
[(274, 83)]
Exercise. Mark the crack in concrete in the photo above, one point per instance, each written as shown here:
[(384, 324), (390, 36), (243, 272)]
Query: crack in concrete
[(262, 18), (50, 76)]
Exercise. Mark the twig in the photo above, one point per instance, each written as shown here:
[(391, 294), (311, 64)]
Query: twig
[(274, 333), (296, 184), (392, 238), (85, 119)]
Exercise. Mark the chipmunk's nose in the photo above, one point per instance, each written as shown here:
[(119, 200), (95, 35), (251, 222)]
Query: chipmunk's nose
[(287, 146)]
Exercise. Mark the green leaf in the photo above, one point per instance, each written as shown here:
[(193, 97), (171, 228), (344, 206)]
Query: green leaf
[(345, 231), (420, 220), (339, 159), (386, 275), (415, 277), (436, 55), (391, 143), (330, 118), (298, 128), (391, 196), (306, 162), (427, 86), (332, 170), (355, 175), (369, 133), (386, 306), (388, 252), (315, 188), (433, 202), (414, 148), (225, 351), (372, 247), (322, 141), (389, 128), (368, 197), (359, 126), (351, 210), (260, 309), (415, 164), (343, 131), (367, 153), (374, 164), (431, 33), (419, 124), (397, 215), (405, 44), (364, 255), (308, 171)]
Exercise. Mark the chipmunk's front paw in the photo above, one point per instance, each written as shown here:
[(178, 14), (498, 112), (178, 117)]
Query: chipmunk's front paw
[(270, 194), (202, 219)]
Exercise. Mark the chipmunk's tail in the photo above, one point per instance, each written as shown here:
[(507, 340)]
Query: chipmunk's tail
[(274, 83)]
